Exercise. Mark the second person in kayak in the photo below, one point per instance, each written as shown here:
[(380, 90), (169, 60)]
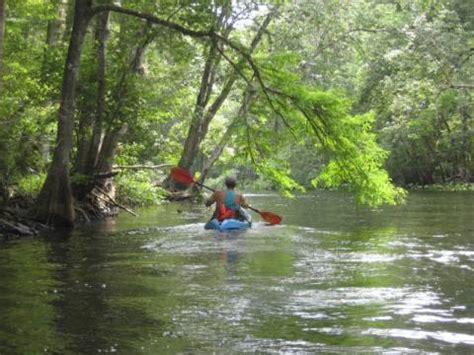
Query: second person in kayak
[(229, 203)]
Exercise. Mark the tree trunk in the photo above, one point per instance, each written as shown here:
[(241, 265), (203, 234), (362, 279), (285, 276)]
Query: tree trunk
[(101, 146), (55, 203), (219, 148), (107, 154), (69, 20), (101, 37), (109, 147), (2, 38), (57, 26), (191, 145), (54, 36), (137, 64), (83, 141), (467, 166), (202, 117)]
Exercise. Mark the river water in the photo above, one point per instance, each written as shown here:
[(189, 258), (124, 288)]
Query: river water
[(334, 277)]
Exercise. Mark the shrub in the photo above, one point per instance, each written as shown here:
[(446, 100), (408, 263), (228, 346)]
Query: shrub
[(138, 189)]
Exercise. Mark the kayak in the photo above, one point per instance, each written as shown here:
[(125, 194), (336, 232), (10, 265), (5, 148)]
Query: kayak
[(231, 224), (227, 225)]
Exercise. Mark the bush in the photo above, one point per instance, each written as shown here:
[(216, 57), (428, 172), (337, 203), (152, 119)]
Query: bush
[(138, 189), (30, 185)]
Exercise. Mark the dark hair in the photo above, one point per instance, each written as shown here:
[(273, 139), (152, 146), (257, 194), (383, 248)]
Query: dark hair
[(230, 182)]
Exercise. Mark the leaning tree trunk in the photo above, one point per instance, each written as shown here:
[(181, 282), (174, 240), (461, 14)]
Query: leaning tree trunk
[(106, 157), (202, 117), (249, 95), (191, 145), (55, 203)]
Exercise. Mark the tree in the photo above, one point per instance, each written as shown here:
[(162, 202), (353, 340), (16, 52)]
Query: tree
[(54, 204), (286, 102), (205, 111), (28, 101), (93, 116), (57, 25), (229, 130), (384, 57), (417, 91)]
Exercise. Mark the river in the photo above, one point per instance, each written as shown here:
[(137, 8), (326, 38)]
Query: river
[(334, 277)]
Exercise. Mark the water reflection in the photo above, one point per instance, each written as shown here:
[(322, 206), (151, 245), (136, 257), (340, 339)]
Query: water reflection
[(334, 278), (28, 290)]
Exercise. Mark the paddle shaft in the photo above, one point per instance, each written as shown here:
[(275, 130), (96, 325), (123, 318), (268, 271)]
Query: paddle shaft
[(202, 185)]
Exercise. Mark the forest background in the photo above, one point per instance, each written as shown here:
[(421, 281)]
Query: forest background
[(361, 95)]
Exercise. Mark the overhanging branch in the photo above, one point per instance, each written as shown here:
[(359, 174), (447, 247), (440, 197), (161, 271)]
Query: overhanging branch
[(152, 19), (211, 35)]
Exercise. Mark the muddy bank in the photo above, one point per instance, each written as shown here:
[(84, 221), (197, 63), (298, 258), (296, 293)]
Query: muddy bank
[(15, 223)]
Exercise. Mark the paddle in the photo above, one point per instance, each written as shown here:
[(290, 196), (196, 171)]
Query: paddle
[(184, 177)]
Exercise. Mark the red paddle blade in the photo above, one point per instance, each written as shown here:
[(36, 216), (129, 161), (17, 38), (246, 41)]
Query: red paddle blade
[(181, 175), (270, 217)]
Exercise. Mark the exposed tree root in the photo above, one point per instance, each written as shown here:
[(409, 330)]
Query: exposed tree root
[(15, 223)]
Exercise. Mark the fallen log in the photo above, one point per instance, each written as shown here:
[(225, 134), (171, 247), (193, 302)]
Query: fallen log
[(143, 166), (107, 175), (111, 201)]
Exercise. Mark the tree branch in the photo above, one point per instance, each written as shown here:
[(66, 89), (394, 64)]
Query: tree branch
[(211, 35), (142, 166), (152, 19), (462, 86)]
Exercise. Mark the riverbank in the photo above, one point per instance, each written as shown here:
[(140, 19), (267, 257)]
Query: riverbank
[(136, 192), (14, 223), (458, 186)]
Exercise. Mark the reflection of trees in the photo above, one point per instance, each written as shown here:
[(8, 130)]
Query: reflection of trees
[(82, 307), (27, 290), (274, 259), (92, 311)]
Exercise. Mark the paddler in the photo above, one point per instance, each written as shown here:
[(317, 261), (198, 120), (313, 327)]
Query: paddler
[(228, 202)]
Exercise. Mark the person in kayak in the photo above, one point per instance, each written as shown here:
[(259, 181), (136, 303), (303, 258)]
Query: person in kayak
[(229, 203)]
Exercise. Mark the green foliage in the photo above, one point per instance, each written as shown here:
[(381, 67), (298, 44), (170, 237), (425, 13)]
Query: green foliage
[(385, 56), (353, 158), (414, 91), (137, 189), (27, 114), (30, 185), (81, 179), (351, 88)]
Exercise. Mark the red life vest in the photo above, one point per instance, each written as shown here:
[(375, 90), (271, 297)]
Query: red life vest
[(228, 208), (224, 212)]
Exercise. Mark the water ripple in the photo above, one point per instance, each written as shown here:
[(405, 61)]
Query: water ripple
[(448, 337)]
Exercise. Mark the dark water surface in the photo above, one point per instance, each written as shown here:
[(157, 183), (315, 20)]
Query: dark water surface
[(333, 278)]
